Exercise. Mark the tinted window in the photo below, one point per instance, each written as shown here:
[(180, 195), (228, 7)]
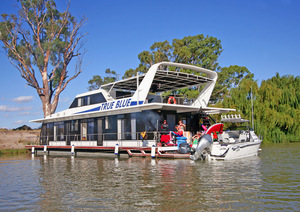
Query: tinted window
[(74, 103), (97, 98), (88, 100)]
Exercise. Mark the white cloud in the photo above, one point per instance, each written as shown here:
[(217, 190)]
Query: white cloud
[(65, 99), (5, 108), (26, 113), (19, 122), (22, 99)]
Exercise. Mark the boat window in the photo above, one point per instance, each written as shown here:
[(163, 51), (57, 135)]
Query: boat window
[(97, 98), (85, 100), (133, 127), (91, 129), (59, 131), (74, 125), (123, 94), (88, 100), (74, 103), (50, 129)]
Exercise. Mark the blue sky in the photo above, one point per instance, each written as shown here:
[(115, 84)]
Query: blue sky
[(262, 35)]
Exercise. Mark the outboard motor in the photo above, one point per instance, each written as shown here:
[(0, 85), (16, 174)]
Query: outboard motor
[(204, 143)]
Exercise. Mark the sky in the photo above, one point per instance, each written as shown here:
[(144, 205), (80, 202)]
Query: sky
[(262, 35)]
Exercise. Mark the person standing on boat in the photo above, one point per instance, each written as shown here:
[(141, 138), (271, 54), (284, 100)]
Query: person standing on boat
[(164, 126), (196, 138), (144, 137), (181, 125)]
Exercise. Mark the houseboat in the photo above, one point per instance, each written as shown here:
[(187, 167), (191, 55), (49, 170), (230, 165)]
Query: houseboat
[(126, 116)]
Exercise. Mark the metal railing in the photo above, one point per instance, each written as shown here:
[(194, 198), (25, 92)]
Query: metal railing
[(100, 137)]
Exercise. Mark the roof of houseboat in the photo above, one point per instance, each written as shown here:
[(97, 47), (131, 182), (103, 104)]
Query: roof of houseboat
[(164, 80), (141, 89)]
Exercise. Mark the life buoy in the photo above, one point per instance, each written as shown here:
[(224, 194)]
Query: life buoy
[(171, 100)]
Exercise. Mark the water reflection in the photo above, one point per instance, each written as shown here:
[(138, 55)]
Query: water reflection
[(146, 184), (268, 182)]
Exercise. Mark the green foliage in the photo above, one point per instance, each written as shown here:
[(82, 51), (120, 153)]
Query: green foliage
[(13, 151), (97, 80), (24, 127), (228, 78), (41, 39), (276, 106), (197, 50), (160, 51)]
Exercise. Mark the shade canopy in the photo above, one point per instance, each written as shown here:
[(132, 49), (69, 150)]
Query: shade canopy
[(164, 80)]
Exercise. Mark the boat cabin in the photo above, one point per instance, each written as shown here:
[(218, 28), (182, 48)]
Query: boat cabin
[(118, 112)]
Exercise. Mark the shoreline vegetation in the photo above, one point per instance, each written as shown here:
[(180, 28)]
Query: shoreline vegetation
[(276, 107), (13, 142), (14, 151)]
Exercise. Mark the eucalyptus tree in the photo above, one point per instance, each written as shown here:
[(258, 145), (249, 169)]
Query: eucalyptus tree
[(41, 40), (197, 50), (160, 51), (97, 80), (228, 78)]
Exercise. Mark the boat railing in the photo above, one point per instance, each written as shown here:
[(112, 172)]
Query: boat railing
[(179, 100), (100, 138)]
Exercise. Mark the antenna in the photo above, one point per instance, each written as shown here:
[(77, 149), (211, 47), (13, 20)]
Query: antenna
[(252, 109)]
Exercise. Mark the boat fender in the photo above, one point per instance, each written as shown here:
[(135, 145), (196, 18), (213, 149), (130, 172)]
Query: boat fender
[(171, 100), (153, 151), (72, 149), (117, 149)]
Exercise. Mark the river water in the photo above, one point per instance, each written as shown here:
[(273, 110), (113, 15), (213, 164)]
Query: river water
[(268, 182)]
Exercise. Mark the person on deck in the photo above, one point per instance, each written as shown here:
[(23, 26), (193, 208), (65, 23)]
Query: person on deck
[(164, 126), (179, 132), (196, 138), (182, 126)]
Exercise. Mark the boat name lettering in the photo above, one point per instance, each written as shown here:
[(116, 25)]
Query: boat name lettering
[(115, 104)]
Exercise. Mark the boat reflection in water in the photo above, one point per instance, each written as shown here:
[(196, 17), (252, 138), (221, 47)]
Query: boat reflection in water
[(136, 184), (269, 182)]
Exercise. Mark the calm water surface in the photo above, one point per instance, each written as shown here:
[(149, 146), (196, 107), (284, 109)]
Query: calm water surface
[(268, 182)]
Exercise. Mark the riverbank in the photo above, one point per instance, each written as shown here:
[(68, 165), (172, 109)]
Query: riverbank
[(17, 139)]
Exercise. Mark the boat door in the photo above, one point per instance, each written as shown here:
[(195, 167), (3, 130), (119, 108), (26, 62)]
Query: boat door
[(126, 125), (43, 139), (83, 130), (55, 133), (121, 127), (171, 121), (133, 127)]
